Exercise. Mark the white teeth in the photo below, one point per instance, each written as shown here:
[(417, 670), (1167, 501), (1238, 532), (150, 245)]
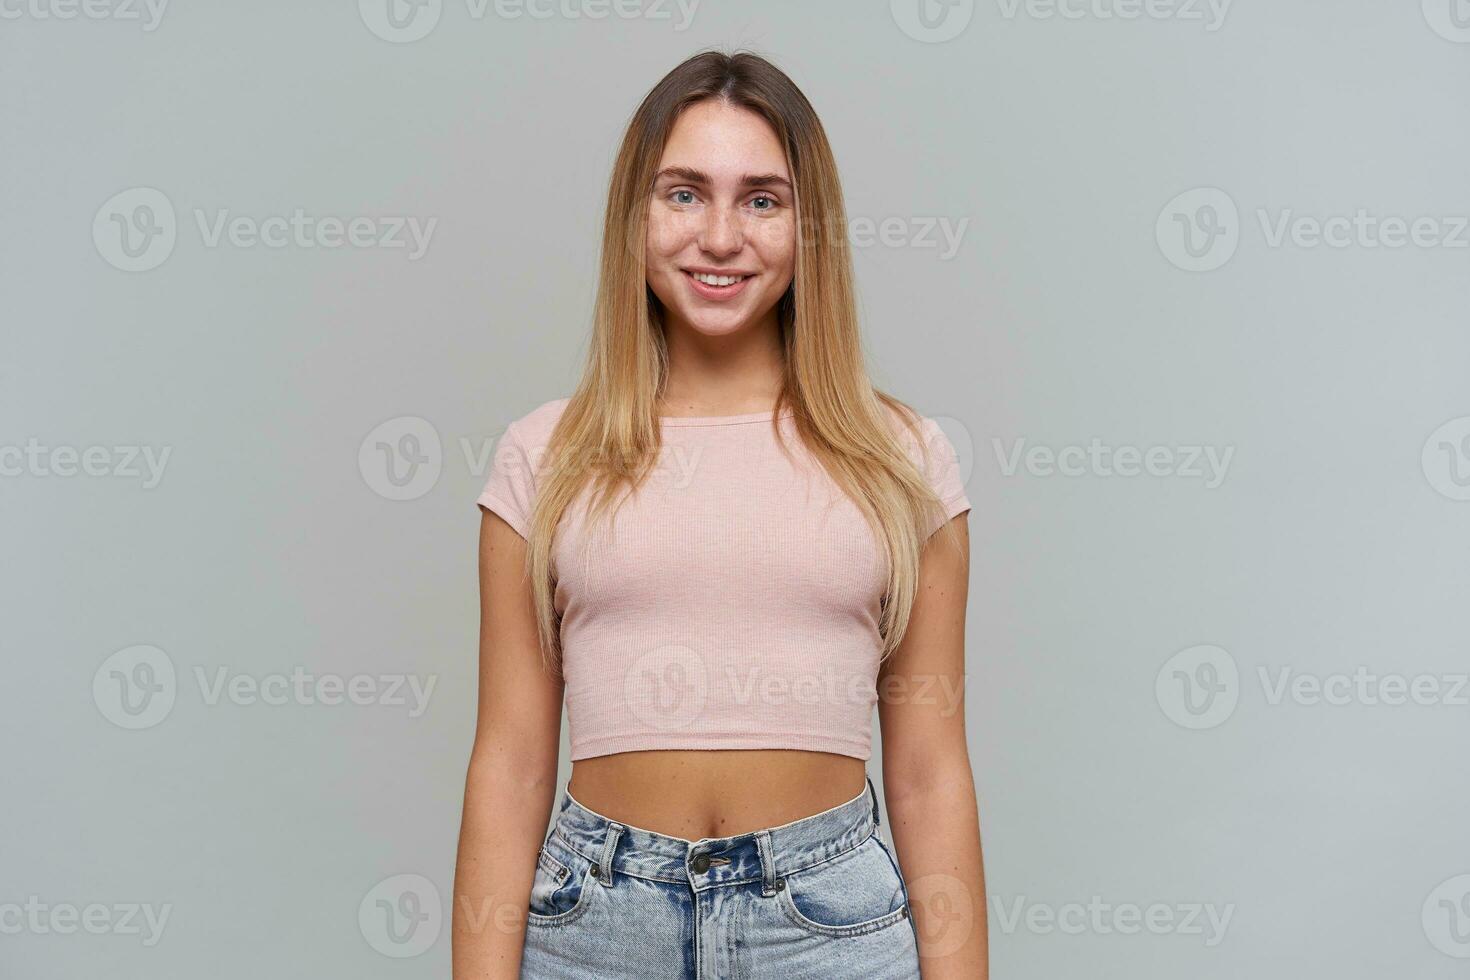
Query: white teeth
[(716, 280)]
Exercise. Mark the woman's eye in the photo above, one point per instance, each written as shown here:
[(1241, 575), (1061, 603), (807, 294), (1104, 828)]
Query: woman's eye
[(770, 202), (680, 197)]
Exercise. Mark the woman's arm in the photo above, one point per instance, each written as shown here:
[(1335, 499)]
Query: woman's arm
[(927, 783), (511, 783)]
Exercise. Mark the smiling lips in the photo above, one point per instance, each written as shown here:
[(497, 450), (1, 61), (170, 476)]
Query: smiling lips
[(713, 285)]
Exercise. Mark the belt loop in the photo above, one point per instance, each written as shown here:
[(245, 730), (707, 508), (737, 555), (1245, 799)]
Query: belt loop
[(768, 862), (876, 821), (609, 844)]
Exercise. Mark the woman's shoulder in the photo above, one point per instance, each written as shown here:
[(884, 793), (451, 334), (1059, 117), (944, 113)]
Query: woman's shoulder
[(911, 426), (537, 424)]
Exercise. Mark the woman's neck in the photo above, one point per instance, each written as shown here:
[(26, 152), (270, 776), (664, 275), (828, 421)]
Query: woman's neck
[(723, 374)]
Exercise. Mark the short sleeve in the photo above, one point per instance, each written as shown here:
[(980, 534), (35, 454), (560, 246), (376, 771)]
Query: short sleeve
[(511, 489), (943, 471)]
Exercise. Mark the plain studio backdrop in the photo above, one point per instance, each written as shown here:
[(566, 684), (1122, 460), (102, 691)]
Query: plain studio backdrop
[(1186, 283)]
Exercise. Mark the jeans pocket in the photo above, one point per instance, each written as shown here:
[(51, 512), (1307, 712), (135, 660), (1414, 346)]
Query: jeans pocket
[(561, 887), (857, 892)]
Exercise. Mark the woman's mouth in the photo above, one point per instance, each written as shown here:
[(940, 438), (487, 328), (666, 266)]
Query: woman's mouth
[(717, 286)]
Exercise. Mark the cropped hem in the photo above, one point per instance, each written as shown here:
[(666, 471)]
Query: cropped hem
[(652, 741)]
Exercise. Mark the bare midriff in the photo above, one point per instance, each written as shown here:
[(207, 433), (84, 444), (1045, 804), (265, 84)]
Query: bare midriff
[(714, 792)]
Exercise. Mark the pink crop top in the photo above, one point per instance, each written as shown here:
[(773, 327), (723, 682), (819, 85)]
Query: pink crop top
[(734, 602)]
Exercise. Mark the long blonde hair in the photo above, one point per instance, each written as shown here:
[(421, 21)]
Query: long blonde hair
[(608, 435)]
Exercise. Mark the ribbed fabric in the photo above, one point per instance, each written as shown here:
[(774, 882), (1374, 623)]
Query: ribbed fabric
[(732, 603)]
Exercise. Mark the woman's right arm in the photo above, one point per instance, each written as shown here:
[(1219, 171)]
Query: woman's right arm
[(511, 783)]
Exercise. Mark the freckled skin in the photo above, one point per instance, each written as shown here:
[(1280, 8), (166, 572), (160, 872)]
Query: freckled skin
[(723, 226)]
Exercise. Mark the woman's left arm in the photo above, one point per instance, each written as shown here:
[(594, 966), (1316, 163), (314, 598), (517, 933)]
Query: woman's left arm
[(928, 786)]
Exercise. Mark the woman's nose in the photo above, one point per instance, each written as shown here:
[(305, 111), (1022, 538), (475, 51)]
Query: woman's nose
[(721, 233)]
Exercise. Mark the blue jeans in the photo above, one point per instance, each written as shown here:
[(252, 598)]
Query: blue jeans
[(820, 898)]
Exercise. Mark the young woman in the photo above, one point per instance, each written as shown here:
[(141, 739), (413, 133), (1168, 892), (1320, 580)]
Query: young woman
[(721, 551)]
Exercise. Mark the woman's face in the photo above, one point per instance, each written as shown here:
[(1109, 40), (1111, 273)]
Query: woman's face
[(722, 205)]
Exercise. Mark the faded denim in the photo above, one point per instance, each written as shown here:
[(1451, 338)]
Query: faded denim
[(820, 898)]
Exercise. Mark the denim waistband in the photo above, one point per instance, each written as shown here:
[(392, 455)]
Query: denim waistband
[(712, 862)]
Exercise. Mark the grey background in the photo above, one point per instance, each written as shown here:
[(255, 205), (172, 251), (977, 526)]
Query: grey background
[(1329, 545)]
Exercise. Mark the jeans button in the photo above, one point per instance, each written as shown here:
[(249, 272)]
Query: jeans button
[(701, 863)]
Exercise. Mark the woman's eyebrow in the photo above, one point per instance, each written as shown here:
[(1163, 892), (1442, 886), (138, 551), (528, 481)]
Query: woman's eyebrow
[(693, 176)]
